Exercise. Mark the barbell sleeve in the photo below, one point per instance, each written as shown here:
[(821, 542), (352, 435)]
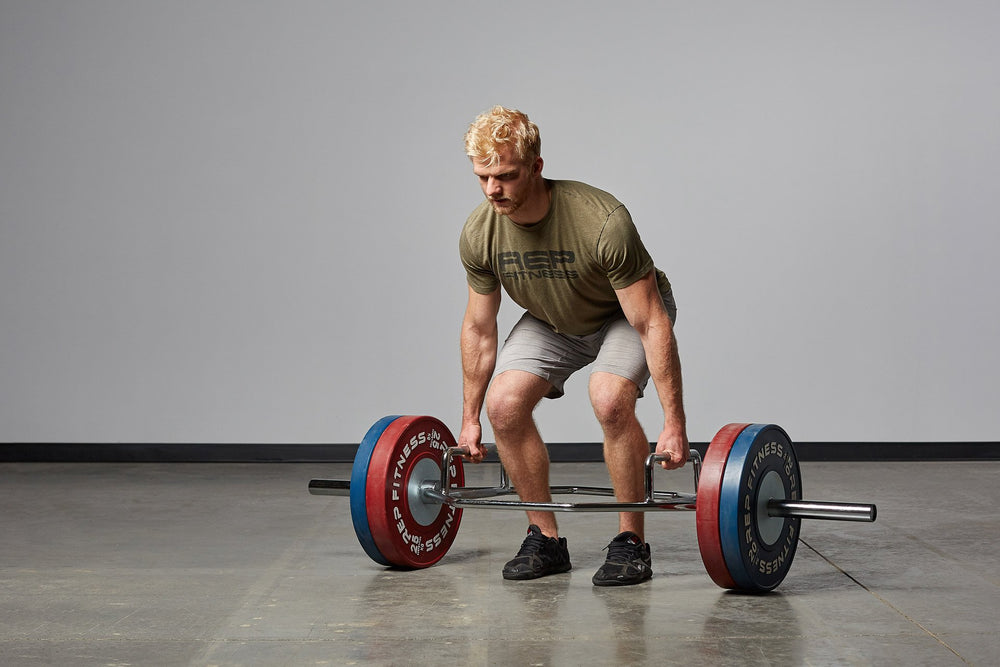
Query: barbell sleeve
[(330, 487), (807, 509)]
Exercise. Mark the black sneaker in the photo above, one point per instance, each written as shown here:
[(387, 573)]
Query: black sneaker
[(628, 562), (539, 556)]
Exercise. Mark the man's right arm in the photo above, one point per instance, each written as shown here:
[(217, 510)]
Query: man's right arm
[(479, 355)]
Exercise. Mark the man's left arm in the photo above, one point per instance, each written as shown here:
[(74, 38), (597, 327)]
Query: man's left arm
[(643, 306)]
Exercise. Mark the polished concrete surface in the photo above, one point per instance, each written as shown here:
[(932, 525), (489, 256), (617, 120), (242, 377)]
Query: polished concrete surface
[(236, 564)]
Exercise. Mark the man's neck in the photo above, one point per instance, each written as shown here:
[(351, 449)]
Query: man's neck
[(537, 206)]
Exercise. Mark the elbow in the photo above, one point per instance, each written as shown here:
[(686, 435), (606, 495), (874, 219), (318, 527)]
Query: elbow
[(642, 327), (654, 328), (473, 330)]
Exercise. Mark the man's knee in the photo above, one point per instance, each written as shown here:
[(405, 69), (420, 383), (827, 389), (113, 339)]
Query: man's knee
[(503, 410), (613, 399), (511, 400)]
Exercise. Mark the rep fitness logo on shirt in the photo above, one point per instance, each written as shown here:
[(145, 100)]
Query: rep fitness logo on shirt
[(536, 264)]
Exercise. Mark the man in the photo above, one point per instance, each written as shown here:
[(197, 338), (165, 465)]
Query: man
[(570, 256)]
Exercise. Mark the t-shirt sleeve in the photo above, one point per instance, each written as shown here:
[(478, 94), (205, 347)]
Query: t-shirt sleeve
[(475, 258), (621, 251)]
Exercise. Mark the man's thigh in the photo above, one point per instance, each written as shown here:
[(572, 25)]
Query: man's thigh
[(535, 348), (622, 354)]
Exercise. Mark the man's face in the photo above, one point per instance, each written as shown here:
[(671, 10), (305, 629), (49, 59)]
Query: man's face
[(507, 184)]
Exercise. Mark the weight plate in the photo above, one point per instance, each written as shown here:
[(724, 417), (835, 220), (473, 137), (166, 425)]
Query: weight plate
[(408, 531), (707, 504), (359, 482), (758, 548)]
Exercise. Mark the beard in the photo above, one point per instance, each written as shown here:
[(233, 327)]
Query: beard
[(506, 206)]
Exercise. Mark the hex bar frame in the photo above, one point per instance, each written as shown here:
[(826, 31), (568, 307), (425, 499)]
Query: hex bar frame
[(441, 491)]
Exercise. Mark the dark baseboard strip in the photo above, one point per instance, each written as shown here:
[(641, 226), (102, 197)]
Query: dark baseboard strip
[(344, 453)]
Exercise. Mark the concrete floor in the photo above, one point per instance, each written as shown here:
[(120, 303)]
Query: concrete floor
[(236, 564)]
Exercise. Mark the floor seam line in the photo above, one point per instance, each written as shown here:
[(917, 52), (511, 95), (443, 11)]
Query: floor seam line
[(884, 601)]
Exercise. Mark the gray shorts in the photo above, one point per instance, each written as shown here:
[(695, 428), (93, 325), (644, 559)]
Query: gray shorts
[(616, 348)]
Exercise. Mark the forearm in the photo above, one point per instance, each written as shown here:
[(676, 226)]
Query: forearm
[(664, 364), (479, 353)]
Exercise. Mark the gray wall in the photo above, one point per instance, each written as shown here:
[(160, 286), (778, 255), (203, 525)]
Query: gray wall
[(238, 221)]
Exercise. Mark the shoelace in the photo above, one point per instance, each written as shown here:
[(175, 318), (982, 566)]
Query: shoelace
[(532, 543), (621, 552)]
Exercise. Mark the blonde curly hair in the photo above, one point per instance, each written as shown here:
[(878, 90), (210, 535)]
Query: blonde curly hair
[(501, 128)]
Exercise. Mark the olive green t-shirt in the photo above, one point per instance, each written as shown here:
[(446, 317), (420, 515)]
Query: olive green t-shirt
[(565, 269)]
